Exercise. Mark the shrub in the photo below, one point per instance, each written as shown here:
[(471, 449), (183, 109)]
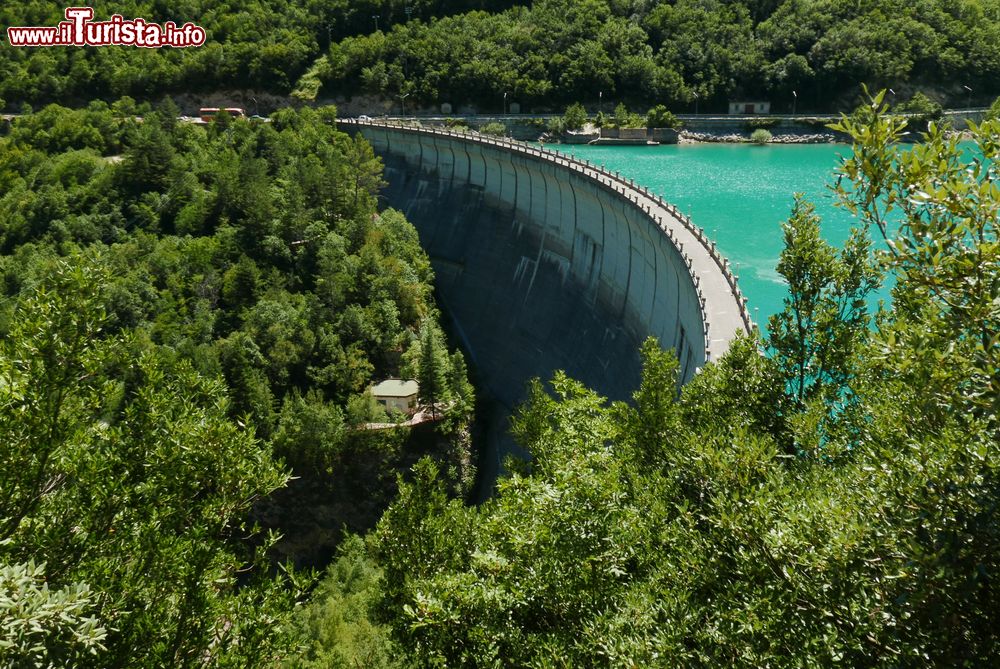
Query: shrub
[(623, 118), (922, 107), (493, 128), (575, 116), (634, 121), (993, 113), (660, 117), (761, 136), (556, 125)]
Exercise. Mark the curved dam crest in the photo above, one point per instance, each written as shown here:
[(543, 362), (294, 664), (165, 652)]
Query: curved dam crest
[(544, 262)]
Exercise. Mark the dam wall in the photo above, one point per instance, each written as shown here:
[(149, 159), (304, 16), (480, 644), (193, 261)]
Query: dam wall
[(544, 262)]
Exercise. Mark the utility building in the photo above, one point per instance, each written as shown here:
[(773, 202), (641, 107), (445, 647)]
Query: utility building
[(397, 394), (749, 108)]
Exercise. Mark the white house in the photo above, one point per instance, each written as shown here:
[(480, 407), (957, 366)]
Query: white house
[(749, 108), (397, 394)]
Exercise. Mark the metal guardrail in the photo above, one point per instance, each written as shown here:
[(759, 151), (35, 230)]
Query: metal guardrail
[(611, 181)]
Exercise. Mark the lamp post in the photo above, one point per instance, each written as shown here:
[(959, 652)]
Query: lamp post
[(795, 102), (696, 103), (968, 97), (255, 106), (505, 103), (375, 16), (402, 104), (600, 102)]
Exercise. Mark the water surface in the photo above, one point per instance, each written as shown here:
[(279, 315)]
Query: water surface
[(740, 195)]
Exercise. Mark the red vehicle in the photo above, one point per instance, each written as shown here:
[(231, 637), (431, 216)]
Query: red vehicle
[(210, 113)]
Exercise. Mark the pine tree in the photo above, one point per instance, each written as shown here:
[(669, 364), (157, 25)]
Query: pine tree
[(433, 367)]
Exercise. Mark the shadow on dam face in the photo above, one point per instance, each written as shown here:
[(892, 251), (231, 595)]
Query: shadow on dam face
[(516, 308), (543, 266)]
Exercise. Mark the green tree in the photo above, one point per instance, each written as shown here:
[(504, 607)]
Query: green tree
[(660, 117), (148, 158), (621, 116), (433, 367), (458, 383), (362, 408), (921, 110), (336, 627), (683, 528), (123, 470), (495, 129), (310, 432), (575, 116), (993, 113), (936, 211), (816, 338)]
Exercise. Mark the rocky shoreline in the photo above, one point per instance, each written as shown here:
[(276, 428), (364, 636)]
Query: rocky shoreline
[(689, 137)]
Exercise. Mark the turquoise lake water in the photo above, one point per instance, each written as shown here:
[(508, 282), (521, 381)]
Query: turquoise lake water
[(740, 195)]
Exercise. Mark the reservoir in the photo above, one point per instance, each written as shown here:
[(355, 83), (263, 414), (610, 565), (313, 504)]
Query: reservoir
[(740, 194)]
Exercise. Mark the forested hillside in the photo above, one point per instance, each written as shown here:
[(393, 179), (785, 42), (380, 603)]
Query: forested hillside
[(542, 54), (832, 503), (189, 315), (555, 52), (262, 45)]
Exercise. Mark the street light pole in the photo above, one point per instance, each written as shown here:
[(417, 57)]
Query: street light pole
[(402, 104), (795, 102), (968, 97), (375, 16), (505, 103)]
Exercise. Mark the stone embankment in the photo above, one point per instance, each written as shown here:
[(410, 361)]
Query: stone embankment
[(689, 137)]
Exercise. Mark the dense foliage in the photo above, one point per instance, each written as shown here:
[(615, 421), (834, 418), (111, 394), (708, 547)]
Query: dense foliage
[(557, 51), (993, 112), (123, 473), (255, 251), (541, 54), (262, 45), (185, 308), (834, 503)]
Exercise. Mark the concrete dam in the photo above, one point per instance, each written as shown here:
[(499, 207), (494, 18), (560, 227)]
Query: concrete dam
[(544, 262)]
